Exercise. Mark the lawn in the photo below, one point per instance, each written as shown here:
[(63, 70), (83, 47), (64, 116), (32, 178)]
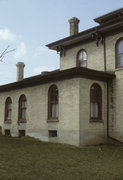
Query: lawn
[(30, 159)]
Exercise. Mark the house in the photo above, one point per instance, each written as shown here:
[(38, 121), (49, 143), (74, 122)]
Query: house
[(82, 102)]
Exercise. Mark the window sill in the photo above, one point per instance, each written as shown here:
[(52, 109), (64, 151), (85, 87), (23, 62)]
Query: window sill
[(22, 121), (119, 68), (52, 120), (8, 122), (96, 121)]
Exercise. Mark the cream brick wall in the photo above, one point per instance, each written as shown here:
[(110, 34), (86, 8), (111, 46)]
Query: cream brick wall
[(116, 118), (37, 125), (95, 56), (110, 51), (73, 127), (116, 114), (95, 60), (92, 132)]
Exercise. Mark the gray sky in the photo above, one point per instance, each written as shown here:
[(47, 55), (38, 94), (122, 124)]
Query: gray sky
[(28, 25)]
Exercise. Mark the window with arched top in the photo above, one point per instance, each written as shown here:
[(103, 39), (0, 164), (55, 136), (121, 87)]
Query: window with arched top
[(82, 58), (8, 110), (22, 109), (53, 102), (119, 53), (95, 102)]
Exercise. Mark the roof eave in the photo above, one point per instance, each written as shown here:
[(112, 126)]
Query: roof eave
[(108, 15), (57, 76), (85, 35)]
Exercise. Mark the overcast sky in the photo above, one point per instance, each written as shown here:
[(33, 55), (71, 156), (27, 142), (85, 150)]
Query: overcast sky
[(28, 25)]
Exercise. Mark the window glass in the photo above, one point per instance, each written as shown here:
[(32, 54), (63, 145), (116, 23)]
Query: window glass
[(23, 113), (53, 102), (82, 59), (94, 110), (22, 109), (8, 110), (120, 47), (119, 53), (9, 114), (95, 102), (120, 60)]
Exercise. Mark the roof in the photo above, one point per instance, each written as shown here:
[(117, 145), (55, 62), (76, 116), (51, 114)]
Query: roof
[(110, 16), (58, 75), (108, 23)]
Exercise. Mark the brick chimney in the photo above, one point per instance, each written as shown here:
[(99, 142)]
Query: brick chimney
[(74, 22), (20, 71)]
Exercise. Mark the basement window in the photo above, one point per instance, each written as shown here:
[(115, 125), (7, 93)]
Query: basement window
[(22, 133), (52, 133), (7, 132)]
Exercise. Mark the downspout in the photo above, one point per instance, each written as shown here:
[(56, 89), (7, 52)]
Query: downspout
[(104, 45), (107, 109)]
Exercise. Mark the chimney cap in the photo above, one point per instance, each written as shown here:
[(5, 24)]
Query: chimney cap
[(73, 20), (20, 64)]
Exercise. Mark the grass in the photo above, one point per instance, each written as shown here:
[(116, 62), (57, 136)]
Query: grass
[(30, 159)]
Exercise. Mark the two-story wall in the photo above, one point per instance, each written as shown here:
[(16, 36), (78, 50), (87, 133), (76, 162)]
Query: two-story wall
[(116, 92), (103, 46)]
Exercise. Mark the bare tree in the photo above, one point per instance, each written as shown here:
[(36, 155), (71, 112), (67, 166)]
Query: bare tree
[(6, 51)]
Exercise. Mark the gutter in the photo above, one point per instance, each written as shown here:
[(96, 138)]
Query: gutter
[(84, 35), (105, 54)]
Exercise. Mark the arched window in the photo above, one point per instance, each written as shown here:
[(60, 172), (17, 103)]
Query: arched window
[(8, 110), (119, 53), (53, 102), (95, 102), (82, 58), (22, 109)]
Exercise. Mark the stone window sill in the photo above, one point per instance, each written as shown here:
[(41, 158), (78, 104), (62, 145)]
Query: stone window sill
[(22, 121), (119, 69), (96, 121), (52, 120), (8, 122)]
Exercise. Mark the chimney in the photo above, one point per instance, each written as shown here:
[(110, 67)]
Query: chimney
[(20, 71), (74, 25)]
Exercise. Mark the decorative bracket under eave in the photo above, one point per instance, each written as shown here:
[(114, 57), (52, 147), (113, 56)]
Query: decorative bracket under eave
[(98, 37), (61, 51)]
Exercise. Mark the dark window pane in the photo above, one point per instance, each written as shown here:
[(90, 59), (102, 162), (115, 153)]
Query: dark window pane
[(120, 47), (22, 108), (8, 110), (96, 102), (53, 102), (94, 110), (120, 60), (82, 59)]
